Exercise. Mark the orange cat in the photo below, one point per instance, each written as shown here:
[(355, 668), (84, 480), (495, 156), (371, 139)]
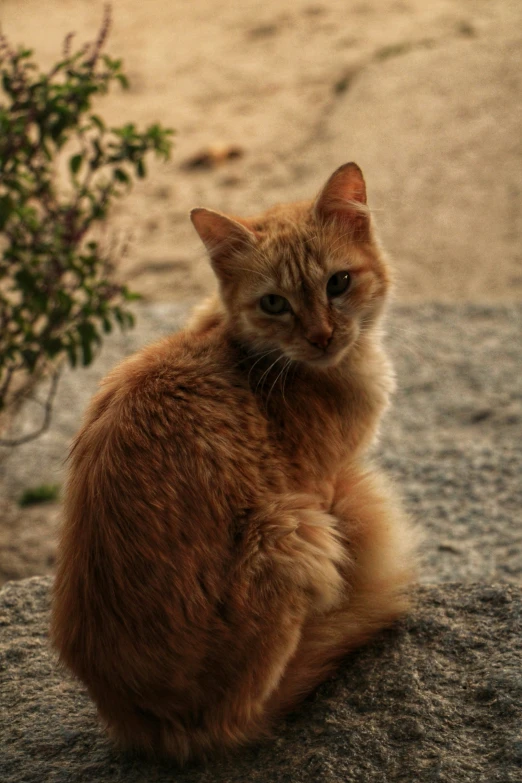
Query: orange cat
[(226, 539)]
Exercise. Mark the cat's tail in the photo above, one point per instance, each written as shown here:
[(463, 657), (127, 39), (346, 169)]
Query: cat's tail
[(383, 548)]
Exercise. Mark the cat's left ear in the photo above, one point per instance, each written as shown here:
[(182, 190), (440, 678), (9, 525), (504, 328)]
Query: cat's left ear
[(221, 234), (343, 200)]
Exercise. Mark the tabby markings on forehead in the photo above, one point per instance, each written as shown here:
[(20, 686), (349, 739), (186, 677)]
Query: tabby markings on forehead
[(298, 267)]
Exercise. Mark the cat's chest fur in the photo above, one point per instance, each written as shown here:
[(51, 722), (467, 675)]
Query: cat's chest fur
[(317, 420)]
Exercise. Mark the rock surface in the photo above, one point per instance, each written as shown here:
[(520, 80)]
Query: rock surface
[(437, 698)]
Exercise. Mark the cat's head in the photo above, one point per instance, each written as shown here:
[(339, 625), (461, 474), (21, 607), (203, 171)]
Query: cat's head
[(304, 279)]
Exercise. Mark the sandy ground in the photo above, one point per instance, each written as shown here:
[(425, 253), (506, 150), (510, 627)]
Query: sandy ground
[(425, 96)]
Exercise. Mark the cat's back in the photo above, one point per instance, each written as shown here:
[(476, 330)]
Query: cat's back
[(179, 407), (162, 476)]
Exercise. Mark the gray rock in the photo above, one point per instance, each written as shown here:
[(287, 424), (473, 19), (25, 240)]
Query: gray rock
[(453, 439), (437, 698)]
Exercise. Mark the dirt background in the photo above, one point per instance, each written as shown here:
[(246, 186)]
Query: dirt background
[(425, 96)]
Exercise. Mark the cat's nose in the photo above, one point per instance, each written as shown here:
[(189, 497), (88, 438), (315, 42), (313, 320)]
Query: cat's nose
[(321, 338)]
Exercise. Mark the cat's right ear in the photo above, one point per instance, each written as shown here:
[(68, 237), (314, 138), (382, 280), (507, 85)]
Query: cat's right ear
[(221, 235), (343, 200)]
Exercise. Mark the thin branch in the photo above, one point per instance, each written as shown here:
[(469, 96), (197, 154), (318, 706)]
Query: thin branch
[(66, 52), (47, 415), (6, 383), (102, 35)]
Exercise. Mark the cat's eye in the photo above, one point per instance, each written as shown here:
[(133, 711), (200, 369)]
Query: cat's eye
[(338, 284), (274, 304)]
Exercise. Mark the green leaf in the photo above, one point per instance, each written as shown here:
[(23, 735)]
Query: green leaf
[(123, 80), (26, 280), (125, 319), (45, 493), (118, 314), (98, 211), (121, 175), (98, 122), (6, 209), (30, 357), (65, 302), (131, 296), (88, 337), (75, 162), (86, 348), (97, 159), (140, 169), (71, 354), (53, 346)]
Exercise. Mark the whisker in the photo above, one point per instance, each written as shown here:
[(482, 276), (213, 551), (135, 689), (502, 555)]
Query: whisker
[(266, 372), (276, 380), (285, 378), (261, 356)]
